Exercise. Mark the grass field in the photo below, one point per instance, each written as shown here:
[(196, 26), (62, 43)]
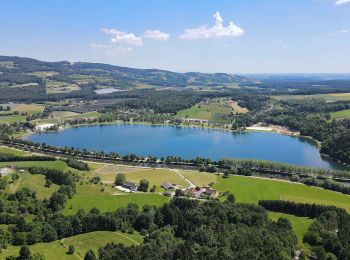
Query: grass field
[(7, 150), (95, 240), (251, 190), (53, 250), (60, 165), (82, 243), (29, 108), (35, 183), (300, 225), (208, 111), (64, 114), (199, 179), (112, 202), (12, 119), (341, 114), (327, 97)]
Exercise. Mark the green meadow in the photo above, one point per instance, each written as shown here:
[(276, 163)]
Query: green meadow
[(82, 243), (341, 114), (300, 225), (251, 190)]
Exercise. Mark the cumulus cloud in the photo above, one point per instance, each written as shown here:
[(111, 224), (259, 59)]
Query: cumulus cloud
[(218, 30), (337, 33), (156, 35), (341, 2), (123, 37)]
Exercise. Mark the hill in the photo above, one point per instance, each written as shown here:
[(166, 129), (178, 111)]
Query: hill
[(30, 77)]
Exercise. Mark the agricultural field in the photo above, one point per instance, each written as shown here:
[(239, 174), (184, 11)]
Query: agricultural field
[(12, 119), (211, 111), (111, 202), (251, 190), (341, 114), (59, 165), (29, 108), (54, 87), (12, 151), (199, 179), (134, 174), (327, 97), (44, 74)]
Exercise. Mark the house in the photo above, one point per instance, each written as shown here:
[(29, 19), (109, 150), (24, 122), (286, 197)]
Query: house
[(209, 192), (196, 192), (202, 193), (130, 186), (167, 186)]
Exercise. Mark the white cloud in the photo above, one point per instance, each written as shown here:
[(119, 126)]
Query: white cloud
[(341, 2), (156, 35), (123, 37), (218, 30), (337, 33)]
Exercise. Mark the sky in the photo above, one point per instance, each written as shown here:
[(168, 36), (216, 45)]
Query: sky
[(232, 36)]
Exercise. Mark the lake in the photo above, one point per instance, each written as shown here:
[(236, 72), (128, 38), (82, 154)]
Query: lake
[(188, 143)]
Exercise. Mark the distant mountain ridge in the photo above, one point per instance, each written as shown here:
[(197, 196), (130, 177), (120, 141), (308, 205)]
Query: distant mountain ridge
[(104, 75)]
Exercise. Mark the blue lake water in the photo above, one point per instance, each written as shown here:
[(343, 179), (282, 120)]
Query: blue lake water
[(189, 143)]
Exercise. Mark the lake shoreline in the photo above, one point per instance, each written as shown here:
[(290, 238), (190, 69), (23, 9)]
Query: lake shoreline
[(238, 145)]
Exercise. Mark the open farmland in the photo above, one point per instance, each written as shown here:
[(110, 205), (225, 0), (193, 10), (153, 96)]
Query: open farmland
[(29, 108), (327, 97), (210, 110), (251, 190), (341, 114)]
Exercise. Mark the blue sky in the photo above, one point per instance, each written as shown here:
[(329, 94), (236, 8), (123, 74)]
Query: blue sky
[(265, 36)]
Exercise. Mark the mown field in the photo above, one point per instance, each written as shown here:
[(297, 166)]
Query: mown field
[(341, 114), (207, 111), (327, 97), (12, 119), (251, 190), (111, 202)]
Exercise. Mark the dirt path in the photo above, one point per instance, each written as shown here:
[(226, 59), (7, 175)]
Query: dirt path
[(191, 185), (129, 238)]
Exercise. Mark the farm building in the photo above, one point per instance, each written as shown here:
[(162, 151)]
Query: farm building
[(130, 186), (167, 186)]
